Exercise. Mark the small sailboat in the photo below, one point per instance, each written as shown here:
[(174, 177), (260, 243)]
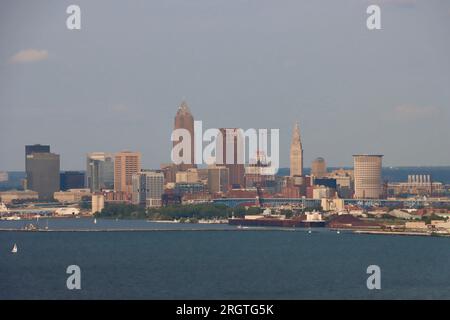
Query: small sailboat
[(95, 221), (309, 231), (14, 249), (338, 232)]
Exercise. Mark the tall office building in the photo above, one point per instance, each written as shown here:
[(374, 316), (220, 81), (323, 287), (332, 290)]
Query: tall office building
[(148, 187), (36, 148), (367, 172), (126, 163), (296, 155), (228, 148), (185, 120), (218, 179), (99, 171), (258, 173), (319, 168), (42, 171)]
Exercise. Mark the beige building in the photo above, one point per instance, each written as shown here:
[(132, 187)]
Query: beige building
[(71, 195), (189, 176), (319, 168), (367, 171), (441, 225), (332, 204), (418, 225), (218, 179), (321, 192), (296, 154), (98, 202), (185, 120), (9, 196), (126, 163)]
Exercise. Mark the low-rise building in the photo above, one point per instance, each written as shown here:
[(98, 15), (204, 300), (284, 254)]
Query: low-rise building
[(332, 204), (320, 192), (188, 176), (71, 195), (10, 196), (67, 211), (418, 225)]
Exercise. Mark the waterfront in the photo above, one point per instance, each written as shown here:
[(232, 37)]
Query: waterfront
[(250, 264)]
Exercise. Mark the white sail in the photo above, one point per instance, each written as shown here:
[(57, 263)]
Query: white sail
[(14, 249)]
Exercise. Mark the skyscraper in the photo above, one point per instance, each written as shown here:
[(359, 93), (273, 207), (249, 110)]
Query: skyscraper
[(185, 120), (42, 171), (99, 171), (36, 148), (258, 173), (367, 171), (218, 179), (231, 145), (148, 187), (319, 168), (296, 155), (126, 163)]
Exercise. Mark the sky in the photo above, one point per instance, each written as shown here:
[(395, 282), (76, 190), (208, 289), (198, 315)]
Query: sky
[(116, 83)]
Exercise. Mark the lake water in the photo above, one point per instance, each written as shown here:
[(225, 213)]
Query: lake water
[(218, 264)]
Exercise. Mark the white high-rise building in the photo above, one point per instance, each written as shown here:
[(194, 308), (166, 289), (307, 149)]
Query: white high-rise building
[(148, 187)]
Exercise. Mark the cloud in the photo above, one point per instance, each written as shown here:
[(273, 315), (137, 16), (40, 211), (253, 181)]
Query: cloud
[(412, 112), (29, 55)]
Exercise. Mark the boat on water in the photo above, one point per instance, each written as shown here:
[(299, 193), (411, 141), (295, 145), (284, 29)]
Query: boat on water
[(164, 221), (12, 218), (14, 249), (30, 227), (95, 221)]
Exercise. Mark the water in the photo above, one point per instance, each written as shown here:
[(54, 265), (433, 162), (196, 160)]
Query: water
[(248, 264)]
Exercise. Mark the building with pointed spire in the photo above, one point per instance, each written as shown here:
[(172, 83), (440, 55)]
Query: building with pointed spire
[(185, 120), (296, 154)]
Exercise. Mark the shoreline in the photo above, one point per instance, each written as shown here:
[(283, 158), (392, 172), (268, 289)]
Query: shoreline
[(266, 229), (215, 226), (402, 233)]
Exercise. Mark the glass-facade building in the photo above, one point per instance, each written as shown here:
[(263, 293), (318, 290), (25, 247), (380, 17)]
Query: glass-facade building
[(99, 171)]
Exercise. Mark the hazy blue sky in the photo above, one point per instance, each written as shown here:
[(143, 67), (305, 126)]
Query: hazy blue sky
[(116, 83)]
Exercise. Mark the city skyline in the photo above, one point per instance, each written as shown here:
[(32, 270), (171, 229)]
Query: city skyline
[(263, 67)]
